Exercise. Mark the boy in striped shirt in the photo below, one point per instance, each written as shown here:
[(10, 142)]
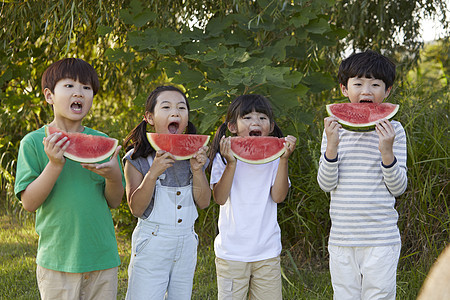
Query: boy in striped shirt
[(364, 172)]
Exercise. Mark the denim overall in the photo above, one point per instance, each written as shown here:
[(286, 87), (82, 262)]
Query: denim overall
[(164, 247)]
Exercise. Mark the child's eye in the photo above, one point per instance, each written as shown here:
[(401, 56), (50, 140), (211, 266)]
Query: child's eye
[(87, 87), (182, 107), (68, 85)]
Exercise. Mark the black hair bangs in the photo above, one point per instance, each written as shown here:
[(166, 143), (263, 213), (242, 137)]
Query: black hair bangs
[(72, 68), (367, 64), (256, 103), (373, 69), (81, 71)]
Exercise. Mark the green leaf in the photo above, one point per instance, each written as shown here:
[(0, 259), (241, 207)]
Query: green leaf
[(118, 54), (300, 19), (143, 18), (293, 78), (286, 98), (318, 26), (190, 78), (103, 30), (217, 25), (278, 51), (319, 82)]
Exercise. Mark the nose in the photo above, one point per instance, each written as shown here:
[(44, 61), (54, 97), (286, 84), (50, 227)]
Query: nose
[(255, 121), (175, 112), (366, 89), (78, 92)]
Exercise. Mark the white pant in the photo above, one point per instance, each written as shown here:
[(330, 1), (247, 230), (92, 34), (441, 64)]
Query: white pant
[(364, 272), (162, 264)]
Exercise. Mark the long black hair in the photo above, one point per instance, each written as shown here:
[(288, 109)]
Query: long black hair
[(241, 106), (137, 138)]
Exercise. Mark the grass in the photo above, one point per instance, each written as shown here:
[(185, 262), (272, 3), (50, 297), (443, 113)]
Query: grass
[(18, 281)]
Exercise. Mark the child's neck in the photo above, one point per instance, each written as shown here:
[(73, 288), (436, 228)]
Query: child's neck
[(67, 126)]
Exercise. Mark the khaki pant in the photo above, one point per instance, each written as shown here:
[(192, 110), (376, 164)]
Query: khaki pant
[(260, 279), (77, 286)]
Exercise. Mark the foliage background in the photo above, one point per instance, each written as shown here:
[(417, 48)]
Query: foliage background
[(215, 50)]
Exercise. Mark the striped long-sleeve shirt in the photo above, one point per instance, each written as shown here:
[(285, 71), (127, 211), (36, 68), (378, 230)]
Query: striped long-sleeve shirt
[(362, 190)]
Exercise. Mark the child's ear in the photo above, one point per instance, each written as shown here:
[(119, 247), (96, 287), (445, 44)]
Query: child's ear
[(343, 90), (272, 126), (232, 127), (48, 95), (388, 91), (149, 118)]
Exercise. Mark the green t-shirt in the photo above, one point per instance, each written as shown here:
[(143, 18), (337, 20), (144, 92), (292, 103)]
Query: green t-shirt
[(74, 224)]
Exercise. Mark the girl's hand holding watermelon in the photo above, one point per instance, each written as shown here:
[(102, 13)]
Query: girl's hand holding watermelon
[(290, 146), (162, 161), (225, 149), (199, 159)]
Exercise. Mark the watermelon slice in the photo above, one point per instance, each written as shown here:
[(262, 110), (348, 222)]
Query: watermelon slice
[(257, 149), (182, 146), (361, 116), (86, 148)]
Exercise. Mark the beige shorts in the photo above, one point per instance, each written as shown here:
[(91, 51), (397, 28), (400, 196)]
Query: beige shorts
[(90, 285), (260, 279)]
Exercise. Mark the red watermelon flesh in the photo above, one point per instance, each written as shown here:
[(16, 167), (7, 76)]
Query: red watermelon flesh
[(257, 149), (182, 146), (86, 148), (361, 116)]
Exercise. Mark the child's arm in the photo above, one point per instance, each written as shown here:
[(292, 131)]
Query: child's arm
[(386, 135), (392, 146), (280, 187), (332, 131), (140, 188), (200, 189), (327, 176), (38, 190), (222, 188), (113, 178)]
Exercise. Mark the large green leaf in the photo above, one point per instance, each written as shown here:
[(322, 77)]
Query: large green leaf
[(318, 82), (318, 26), (118, 54)]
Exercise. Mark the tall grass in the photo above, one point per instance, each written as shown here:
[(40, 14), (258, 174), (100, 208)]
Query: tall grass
[(18, 278)]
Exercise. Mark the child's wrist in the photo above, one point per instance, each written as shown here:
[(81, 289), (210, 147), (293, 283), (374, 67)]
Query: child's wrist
[(335, 159)]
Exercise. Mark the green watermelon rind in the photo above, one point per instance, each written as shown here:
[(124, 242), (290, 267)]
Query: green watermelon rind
[(361, 127), (260, 161), (81, 159), (177, 157)]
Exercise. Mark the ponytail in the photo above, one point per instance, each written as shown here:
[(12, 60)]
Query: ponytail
[(191, 128), (137, 139), (276, 131), (215, 145)]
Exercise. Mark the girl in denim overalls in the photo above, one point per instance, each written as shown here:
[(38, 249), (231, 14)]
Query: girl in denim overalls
[(164, 194)]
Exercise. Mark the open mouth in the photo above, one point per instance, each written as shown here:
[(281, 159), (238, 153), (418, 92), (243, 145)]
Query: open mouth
[(173, 127), (76, 106), (365, 101), (255, 133)]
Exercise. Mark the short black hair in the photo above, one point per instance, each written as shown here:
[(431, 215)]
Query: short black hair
[(368, 64), (73, 68)]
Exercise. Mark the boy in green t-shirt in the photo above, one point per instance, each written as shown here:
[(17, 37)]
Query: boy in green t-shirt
[(77, 252)]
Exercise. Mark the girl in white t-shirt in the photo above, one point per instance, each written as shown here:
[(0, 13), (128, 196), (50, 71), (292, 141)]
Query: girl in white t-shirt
[(248, 245)]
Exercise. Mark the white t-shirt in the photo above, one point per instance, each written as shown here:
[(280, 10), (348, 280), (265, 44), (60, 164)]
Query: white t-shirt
[(248, 227)]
